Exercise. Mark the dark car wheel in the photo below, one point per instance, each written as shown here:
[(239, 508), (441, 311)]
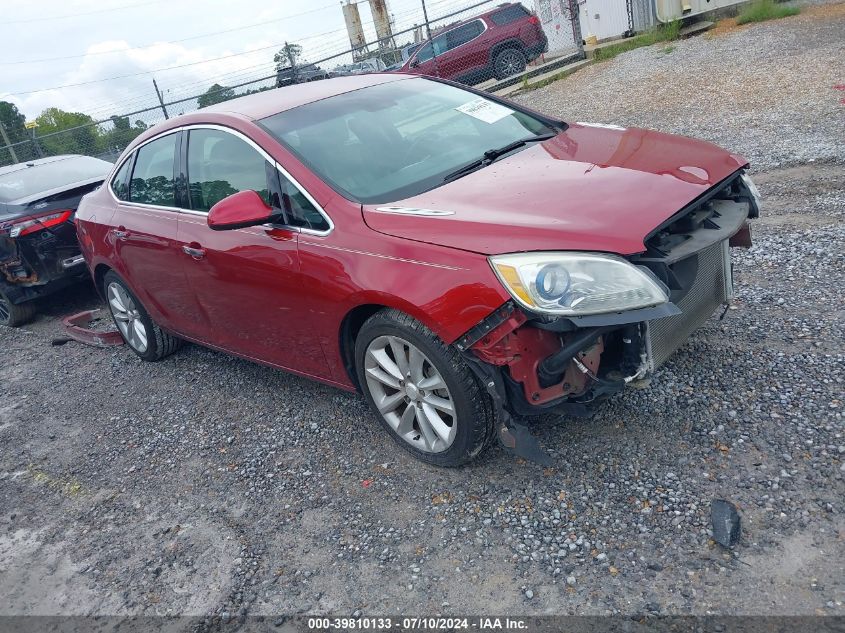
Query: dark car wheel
[(138, 330), (423, 391), (510, 61), (15, 314)]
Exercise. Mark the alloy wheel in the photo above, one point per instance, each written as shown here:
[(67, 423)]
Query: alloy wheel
[(127, 317), (410, 394), (510, 64)]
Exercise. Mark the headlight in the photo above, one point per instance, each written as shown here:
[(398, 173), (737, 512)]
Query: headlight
[(577, 284), (753, 191)]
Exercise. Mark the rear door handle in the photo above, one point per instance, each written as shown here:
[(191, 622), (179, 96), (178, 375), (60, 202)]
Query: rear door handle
[(120, 234), (196, 253)]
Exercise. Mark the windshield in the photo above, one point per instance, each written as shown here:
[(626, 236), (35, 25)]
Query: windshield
[(26, 182), (390, 141)]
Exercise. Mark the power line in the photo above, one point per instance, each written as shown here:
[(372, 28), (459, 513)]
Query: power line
[(73, 15), (272, 46), (185, 39), (149, 72), (146, 72)]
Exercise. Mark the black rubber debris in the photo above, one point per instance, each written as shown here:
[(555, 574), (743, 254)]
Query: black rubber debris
[(726, 521)]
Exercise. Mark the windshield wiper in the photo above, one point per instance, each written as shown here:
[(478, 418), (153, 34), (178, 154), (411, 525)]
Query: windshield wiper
[(492, 154)]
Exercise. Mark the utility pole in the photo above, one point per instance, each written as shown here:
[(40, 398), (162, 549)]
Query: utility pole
[(31, 125), (160, 100), (8, 144), (431, 41)]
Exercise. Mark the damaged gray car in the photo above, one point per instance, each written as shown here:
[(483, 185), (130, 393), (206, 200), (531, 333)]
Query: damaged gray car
[(39, 252)]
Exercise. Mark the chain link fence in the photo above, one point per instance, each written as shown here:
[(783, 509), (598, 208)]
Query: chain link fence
[(486, 44)]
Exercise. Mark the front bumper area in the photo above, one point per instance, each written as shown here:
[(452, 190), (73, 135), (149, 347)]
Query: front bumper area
[(554, 365), (565, 364)]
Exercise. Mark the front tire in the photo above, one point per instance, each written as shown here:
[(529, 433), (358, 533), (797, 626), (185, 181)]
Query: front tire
[(422, 390), (139, 331), (15, 314)]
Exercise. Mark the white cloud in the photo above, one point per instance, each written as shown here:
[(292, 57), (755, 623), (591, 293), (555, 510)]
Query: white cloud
[(102, 99), (319, 26)]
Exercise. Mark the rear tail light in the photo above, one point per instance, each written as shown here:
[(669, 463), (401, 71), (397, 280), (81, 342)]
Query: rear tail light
[(38, 223), (534, 20)]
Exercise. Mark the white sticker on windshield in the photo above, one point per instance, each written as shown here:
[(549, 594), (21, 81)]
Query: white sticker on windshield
[(485, 110)]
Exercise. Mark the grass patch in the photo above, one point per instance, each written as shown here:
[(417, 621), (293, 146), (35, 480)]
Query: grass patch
[(663, 33), (668, 49), (762, 10)]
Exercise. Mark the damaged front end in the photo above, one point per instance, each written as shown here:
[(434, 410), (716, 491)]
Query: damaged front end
[(541, 354)]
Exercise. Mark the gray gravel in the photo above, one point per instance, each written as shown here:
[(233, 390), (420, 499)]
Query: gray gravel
[(207, 485), (765, 91)]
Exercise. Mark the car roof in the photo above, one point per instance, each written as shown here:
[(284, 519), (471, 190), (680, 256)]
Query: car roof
[(269, 102), (449, 27), (30, 164)]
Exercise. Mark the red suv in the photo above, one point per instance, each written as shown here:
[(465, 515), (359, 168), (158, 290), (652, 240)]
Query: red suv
[(457, 258), (497, 44)]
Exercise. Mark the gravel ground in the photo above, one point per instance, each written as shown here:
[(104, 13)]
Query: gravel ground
[(764, 90), (210, 486)]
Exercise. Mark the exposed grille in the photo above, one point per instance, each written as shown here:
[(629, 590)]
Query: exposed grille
[(710, 289)]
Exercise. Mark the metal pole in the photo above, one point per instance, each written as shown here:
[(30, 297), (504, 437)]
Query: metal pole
[(8, 144), (428, 32), (160, 100), (35, 142)]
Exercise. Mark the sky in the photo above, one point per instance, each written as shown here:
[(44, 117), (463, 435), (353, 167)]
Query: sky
[(47, 45)]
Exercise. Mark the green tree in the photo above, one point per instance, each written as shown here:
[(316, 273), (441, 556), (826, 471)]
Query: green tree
[(287, 56), (79, 133), (215, 94), (122, 133), (13, 124)]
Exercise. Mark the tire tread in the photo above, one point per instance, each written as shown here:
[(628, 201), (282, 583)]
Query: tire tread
[(20, 313)]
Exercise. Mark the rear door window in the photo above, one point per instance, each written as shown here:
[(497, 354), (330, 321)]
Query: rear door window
[(511, 14), (152, 179), (464, 34), (221, 164)]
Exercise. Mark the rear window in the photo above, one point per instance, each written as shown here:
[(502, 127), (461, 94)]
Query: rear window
[(27, 182), (511, 14)]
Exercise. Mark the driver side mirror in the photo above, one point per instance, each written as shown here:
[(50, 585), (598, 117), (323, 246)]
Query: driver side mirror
[(242, 209), (415, 63)]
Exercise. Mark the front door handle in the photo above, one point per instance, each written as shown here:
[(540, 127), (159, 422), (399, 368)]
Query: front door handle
[(195, 252), (120, 234)]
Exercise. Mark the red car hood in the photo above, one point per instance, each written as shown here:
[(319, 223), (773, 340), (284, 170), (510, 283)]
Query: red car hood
[(596, 188)]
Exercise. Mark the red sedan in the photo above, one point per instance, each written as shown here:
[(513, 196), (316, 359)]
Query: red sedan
[(461, 260)]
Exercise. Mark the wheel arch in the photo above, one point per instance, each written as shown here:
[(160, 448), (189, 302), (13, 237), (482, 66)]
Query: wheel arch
[(349, 328), (500, 46), (99, 274), (358, 314)]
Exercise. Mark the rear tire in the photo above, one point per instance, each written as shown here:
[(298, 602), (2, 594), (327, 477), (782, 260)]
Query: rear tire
[(415, 410), (139, 331), (509, 62), (16, 314)]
